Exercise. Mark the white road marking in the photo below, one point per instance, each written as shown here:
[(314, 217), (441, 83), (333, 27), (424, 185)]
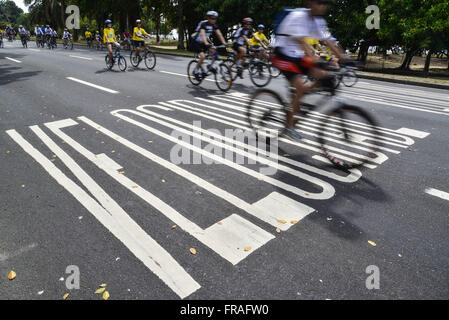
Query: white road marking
[(235, 201), (79, 57), (182, 75), (157, 259), (413, 133), (438, 193), (13, 60), (247, 233), (5, 255), (92, 85), (36, 50)]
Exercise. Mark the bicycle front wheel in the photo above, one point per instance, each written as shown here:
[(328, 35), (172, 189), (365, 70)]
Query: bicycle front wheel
[(349, 137), (260, 74), (134, 59), (223, 77), (108, 65), (150, 60), (122, 65), (266, 113), (350, 79)]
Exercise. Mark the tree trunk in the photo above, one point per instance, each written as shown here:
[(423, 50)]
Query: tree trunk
[(158, 28), (407, 60), (181, 25), (363, 52), (63, 13), (427, 64)]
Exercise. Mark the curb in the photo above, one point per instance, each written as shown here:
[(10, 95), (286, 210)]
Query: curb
[(408, 82)]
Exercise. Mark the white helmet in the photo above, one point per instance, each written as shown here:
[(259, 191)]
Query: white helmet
[(212, 14)]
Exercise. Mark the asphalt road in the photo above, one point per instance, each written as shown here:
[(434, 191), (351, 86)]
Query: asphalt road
[(86, 185)]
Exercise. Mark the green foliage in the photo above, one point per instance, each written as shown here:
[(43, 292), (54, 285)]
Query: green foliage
[(9, 11)]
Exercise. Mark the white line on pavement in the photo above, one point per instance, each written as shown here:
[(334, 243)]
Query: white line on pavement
[(37, 50), (79, 57), (92, 85), (182, 75), (14, 60), (438, 193)]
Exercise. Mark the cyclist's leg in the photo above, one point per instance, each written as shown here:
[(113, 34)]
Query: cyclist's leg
[(109, 47)]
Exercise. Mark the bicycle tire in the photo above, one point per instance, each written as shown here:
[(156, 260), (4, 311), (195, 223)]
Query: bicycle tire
[(259, 70), (339, 118), (350, 75), (122, 65), (108, 65), (267, 118), (275, 72), (223, 76), (150, 60), (190, 68), (133, 59)]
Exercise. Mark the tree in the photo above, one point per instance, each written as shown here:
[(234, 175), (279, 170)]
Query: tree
[(9, 11)]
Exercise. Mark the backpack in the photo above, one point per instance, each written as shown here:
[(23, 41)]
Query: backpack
[(280, 18)]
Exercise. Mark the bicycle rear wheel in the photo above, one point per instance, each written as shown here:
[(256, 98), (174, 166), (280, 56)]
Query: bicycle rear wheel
[(190, 69), (133, 59), (122, 65), (260, 74), (223, 77), (348, 137), (150, 60), (266, 113)]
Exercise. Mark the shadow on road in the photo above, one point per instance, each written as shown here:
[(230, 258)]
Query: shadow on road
[(9, 74)]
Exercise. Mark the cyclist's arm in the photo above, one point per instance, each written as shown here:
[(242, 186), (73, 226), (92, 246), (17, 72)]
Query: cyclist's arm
[(203, 36), (306, 47), (220, 36)]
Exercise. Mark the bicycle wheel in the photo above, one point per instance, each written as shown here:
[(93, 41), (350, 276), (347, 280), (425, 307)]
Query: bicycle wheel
[(350, 79), (122, 63), (266, 113), (341, 138), (190, 69), (108, 65), (150, 60), (223, 77), (71, 45), (275, 72), (260, 74), (133, 59)]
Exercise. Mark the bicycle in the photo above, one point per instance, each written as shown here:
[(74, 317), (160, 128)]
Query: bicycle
[(39, 41), (1, 41), (259, 71), (89, 43), (222, 73), (148, 56), (23, 38), (68, 43), (348, 77), (99, 45), (267, 111), (116, 58)]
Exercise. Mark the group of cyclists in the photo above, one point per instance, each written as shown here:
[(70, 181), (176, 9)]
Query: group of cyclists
[(297, 50)]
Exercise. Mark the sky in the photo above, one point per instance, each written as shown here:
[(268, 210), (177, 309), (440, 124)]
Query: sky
[(20, 4)]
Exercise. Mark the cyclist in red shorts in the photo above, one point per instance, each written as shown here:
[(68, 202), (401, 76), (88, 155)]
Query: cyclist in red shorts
[(295, 57)]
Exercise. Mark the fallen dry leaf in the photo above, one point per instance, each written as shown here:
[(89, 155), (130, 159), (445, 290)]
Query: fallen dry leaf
[(174, 227), (64, 297), (372, 243), (163, 181), (294, 222), (106, 295), (192, 251), (103, 285), (282, 221), (278, 230), (247, 249), (101, 290), (12, 275)]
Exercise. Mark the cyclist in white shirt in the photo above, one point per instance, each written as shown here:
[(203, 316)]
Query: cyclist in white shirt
[(295, 57)]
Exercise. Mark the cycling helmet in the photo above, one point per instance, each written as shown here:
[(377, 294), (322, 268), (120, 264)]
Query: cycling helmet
[(247, 20), (87, 29), (108, 21), (138, 21), (48, 26), (261, 26), (212, 14), (20, 26)]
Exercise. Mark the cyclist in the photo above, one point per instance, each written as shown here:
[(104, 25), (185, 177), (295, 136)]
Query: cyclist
[(39, 33), (241, 43), (22, 33), (294, 56), (109, 38), (202, 42), (2, 32), (54, 37), (66, 37), (138, 41), (97, 39), (48, 33), (88, 36), (259, 40), (127, 40)]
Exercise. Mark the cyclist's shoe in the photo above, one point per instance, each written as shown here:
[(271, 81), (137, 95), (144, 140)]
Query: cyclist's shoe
[(291, 134), (240, 73), (197, 75)]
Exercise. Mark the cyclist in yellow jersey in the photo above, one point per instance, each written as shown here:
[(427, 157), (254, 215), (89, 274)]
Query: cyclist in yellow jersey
[(260, 40), (109, 38), (138, 41), (88, 36)]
